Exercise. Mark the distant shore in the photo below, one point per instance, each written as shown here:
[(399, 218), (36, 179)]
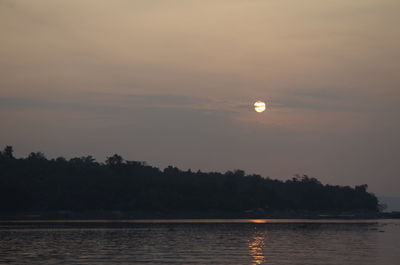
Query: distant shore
[(36, 187), (132, 215)]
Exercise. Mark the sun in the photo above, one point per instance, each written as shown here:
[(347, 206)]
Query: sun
[(259, 106)]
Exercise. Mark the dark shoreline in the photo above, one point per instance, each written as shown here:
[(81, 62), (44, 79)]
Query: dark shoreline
[(119, 215)]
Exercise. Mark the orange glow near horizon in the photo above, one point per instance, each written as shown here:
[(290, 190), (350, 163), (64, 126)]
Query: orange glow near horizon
[(258, 221)]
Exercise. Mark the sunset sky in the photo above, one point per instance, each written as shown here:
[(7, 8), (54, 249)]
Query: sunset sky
[(174, 83)]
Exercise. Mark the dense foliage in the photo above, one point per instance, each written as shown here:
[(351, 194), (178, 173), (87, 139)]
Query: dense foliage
[(39, 184)]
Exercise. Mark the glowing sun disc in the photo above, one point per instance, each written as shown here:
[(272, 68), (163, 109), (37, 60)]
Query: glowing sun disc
[(259, 106)]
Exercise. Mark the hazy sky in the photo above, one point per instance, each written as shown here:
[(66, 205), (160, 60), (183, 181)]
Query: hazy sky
[(173, 82)]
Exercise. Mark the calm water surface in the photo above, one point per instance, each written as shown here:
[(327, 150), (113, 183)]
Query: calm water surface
[(201, 242)]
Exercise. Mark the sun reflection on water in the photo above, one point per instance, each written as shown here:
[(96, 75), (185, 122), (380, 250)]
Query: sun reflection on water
[(256, 247)]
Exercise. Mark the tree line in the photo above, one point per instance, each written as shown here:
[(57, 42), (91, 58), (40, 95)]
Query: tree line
[(36, 183)]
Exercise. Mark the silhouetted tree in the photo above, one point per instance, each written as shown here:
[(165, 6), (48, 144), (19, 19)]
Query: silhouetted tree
[(83, 160), (37, 156), (361, 188), (61, 159), (8, 151), (114, 160)]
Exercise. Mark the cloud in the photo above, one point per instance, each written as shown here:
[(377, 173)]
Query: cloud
[(118, 103)]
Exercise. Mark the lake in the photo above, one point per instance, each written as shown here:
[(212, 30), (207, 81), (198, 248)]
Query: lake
[(239, 241)]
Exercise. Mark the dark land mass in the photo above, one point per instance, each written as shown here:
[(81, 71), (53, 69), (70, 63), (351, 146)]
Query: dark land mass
[(80, 188)]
